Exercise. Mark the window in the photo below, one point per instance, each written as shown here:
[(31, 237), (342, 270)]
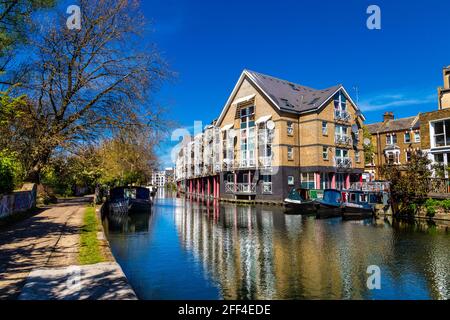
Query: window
[(417, 136), (391, 139), (341, 153), (307, 181), (324, 128), (341, 130), (407, 137), (393, 157), (340, 102), (325, 153), (357, 156), (439, 158), (441, 133), (290, 153), (248, 113), (290, 128), (408, 156), (291, 180), (267, 184)]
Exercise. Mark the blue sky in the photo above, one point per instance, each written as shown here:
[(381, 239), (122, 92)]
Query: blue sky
[(313, 43)]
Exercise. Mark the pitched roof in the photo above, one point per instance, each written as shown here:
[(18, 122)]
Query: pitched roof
[(287, 96), (290, 96), (394, 125)]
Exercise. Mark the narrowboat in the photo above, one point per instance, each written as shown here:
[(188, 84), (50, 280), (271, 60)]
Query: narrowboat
[(331, 204), (357, 205), (301, 201), (129, 200)]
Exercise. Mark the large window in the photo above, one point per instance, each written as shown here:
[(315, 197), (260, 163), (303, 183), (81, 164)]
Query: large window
[(307, 181), (441, 133), (341, 131), (341, 153), (248, 136), (393, 157), (416, 136), (340, 102)]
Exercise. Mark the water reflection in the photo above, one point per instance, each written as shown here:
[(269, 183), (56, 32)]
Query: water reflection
[(243, 252)]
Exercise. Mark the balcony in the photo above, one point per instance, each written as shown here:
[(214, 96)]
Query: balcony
[(240, 188), (247, 163), (343, 163), (341, 115), (265, 162), (343, 140)]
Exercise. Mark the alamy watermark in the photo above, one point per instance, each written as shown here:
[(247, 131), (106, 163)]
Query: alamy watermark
[(74, 20), (374, 279), (374, 20)]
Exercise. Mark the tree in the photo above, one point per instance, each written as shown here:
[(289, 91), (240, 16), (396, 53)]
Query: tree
[(409, 187), (83, 84), (369, 149), (15, 23)]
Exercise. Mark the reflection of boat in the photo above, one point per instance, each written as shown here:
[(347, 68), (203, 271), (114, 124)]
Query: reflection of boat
[(129, 200), (357, 206), (331, 204), (153, 190), (301, 201)]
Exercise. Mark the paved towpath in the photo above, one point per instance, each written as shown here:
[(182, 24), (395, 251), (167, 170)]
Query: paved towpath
[(45, 247)]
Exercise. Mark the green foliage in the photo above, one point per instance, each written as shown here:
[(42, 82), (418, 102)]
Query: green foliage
[(90, 252), (431, 206), (408, 186), (369, 150), (446, 205), (10, 172)]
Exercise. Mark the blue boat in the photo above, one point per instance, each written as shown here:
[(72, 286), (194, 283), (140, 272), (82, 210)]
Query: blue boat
[(357, 205), (331, 205), (129, 200)]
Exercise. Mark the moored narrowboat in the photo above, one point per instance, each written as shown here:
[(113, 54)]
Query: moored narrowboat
[(331, 204), (301, 201), (129, 200)]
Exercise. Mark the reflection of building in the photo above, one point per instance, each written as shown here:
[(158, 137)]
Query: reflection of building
[(273, 135), (396, 139), (163, 178)]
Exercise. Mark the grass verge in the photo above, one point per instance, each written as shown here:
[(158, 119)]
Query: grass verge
[(90, 251)]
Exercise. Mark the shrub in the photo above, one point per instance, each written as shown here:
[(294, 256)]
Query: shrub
[(446, 205), (9, 169)]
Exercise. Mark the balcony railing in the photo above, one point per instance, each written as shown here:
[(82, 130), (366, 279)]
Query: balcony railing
[(265, 162), (240, 188), (341, 115), (247, 163), (342, 139), (267, 187), (342, 162)]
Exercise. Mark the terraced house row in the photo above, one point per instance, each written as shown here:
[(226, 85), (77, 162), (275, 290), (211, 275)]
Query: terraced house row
[(273, 135), (395, 140)]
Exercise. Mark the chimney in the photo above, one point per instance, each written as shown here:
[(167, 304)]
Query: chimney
[(444, 92), (388, 116), (447, 78)]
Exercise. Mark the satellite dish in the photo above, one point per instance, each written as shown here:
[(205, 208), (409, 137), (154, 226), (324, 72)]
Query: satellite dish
[(270, 125), (367, 141), (355, 129)]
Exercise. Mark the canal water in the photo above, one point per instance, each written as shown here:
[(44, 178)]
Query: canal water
[(189, 250)]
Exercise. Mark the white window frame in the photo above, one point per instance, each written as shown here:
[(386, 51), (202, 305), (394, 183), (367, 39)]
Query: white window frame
[(290, 153), (324, 128), (290, 128), (417, 137), (325, 154), (291, 180), (407, 133), (433, 135)]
